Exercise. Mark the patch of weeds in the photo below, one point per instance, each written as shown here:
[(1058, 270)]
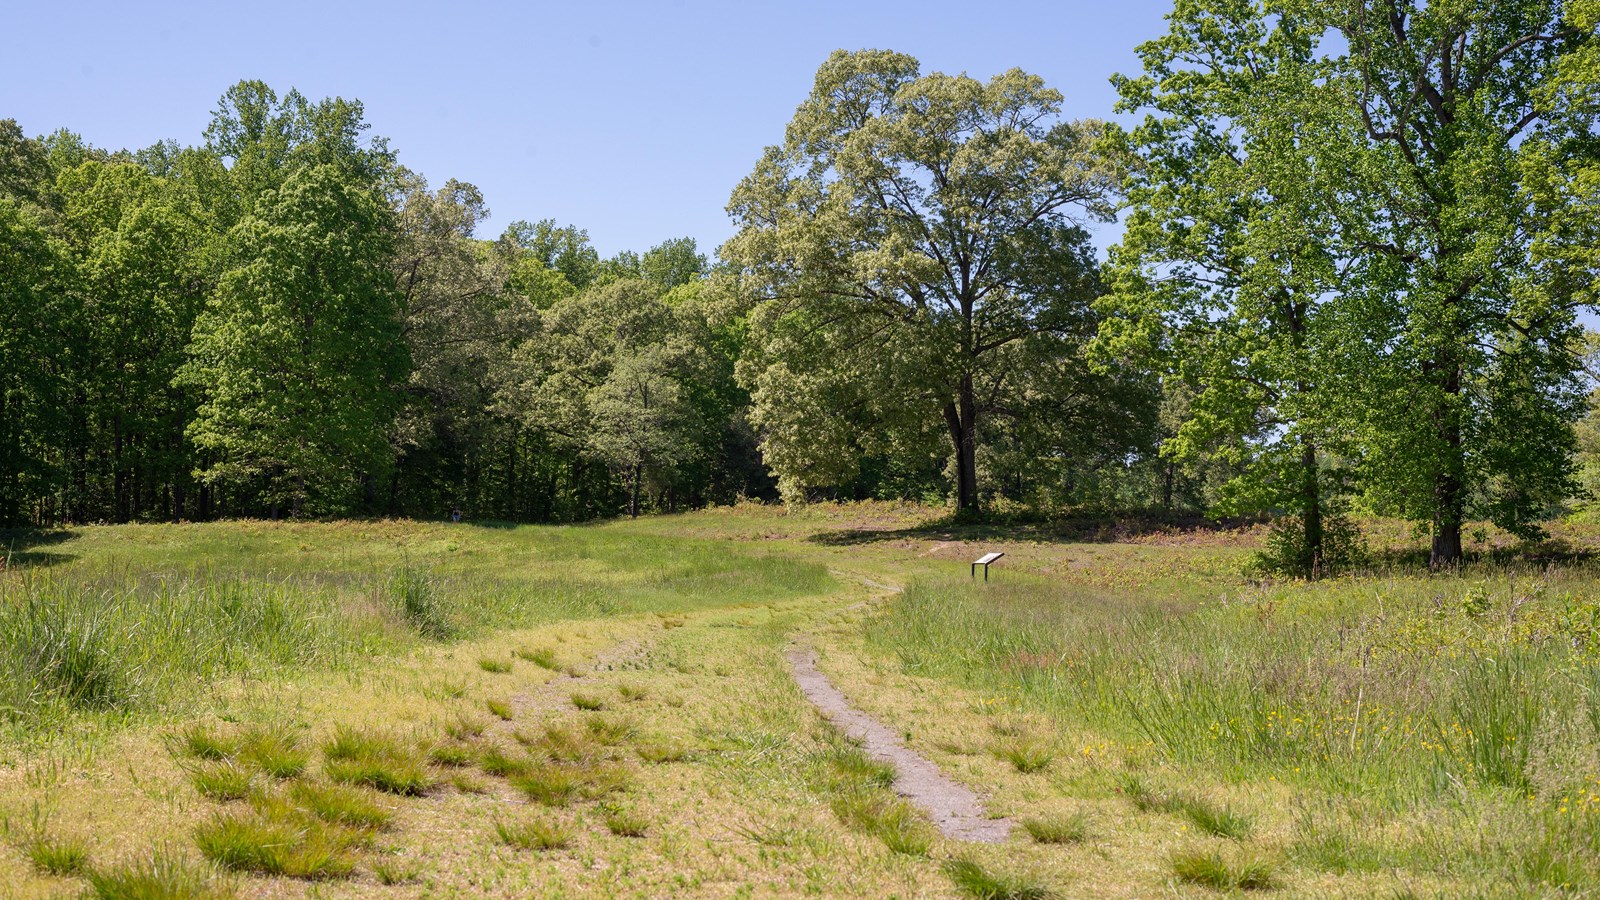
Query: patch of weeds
[(341, 804), (463, 727), (467, 784), (1333, 849), (624, 822), (549, 785), (276, 842), (451, 688), (55, 855), (632, 692), (543, 657), (1072, 828), (1026, 755), (660, 752), (163, 875), (223, 781), (565, 743), (494, 760), (1221, 821), (849, 766), (533, 834), (500, 709), (886, 817), (421, 604), (454, 756), (393, 872), (1240, 872), (274, 749), (1209, 817), (609, 731), (376, 760), (978, 881), (494, 665), (588, 702), (776, 835), (201, 741)]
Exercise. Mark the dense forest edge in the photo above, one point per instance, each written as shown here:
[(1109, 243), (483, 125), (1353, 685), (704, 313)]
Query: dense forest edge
[(1356, 252)]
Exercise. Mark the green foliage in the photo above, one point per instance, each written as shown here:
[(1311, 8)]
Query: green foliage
[(298, 356), (56, 855), (914, 280), (1288, 551)]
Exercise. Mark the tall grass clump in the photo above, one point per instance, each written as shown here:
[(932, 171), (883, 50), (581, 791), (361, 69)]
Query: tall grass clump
[(164, 874), (416, 595), (979, 882), (117, 642)]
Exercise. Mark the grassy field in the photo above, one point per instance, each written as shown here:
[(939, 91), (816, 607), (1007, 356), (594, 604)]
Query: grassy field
[(412, 709)]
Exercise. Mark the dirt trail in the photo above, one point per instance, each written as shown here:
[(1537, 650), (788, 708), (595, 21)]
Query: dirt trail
[(954, 808)]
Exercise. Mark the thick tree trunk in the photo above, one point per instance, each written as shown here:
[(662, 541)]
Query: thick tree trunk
[(961, 417)]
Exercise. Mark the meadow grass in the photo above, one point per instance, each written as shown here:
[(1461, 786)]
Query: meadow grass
[(1378, 691), (138, 617)]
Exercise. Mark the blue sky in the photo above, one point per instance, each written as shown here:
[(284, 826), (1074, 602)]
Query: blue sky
[(633, 120)]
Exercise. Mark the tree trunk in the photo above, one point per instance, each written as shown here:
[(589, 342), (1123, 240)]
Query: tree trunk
[(633, 500), (1311, 507), (1449, 485), (961, 417)]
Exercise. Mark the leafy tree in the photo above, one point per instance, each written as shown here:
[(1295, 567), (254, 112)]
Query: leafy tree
[(140, 255), (911, 243), (1448, 305), (607, 377), (298, 355), (673, 263), (32, 382), (564, 249), (1228, 258)]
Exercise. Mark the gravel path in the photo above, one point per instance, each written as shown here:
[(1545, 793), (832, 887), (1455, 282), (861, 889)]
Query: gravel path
[(954, 808)]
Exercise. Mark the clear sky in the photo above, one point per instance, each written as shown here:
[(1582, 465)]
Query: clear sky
[(633, 120)]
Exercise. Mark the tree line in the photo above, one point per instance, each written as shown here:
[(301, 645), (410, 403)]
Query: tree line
[(1357, 238)]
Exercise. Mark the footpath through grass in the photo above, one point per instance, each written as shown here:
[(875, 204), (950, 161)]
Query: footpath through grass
[(420, 710)]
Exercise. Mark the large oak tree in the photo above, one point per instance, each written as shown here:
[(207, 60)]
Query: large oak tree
[(913, 244)]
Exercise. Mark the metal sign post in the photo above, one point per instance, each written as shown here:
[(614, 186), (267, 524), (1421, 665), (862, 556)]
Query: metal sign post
[(984, 561)]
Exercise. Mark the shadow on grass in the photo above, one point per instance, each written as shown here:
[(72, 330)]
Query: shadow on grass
[(19, 548), (1537, 553), (1103, 528)]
